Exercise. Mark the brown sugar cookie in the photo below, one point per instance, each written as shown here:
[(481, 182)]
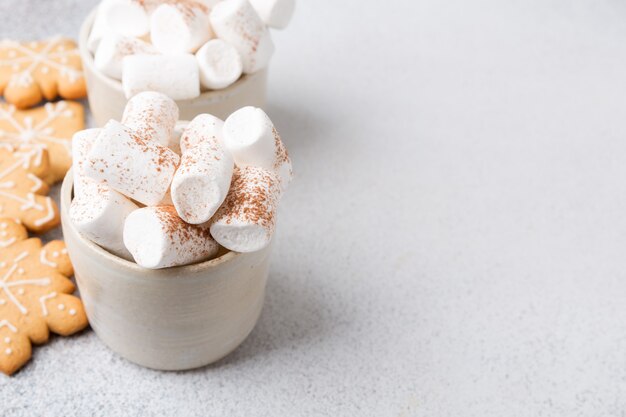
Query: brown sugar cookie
[(35, 294), (50, 126), (32, 71), (22, 193)]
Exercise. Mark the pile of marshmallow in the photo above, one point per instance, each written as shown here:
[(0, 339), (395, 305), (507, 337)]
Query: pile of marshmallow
[(178, 46), (168, 193)]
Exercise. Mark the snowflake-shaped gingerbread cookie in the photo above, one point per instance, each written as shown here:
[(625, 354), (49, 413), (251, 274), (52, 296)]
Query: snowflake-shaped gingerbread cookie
[(31, 71), (22, 192), (50, 127), (35, 294)]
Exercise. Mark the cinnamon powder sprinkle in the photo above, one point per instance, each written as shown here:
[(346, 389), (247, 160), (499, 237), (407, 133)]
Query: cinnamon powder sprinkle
[(177, 230), (187, 7), (282, 155), (252, 198)]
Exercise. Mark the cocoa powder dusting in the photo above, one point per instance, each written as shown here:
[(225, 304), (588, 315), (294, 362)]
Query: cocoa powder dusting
[(150, 5), (282, 155), (252, 197), (176, 229)]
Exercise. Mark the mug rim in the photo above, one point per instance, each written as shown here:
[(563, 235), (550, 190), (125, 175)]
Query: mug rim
[(65, 200), (88, 61)]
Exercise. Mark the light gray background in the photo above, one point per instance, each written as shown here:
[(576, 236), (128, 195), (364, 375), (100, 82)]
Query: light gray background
[(453, 244)]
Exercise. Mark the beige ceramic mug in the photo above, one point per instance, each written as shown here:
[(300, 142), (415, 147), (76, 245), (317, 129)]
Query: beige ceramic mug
[(107, 99), (170, 319)]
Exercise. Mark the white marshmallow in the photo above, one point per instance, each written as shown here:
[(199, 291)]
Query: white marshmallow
[(158, 238), (202, 180), (112, 50), (125, 17), (219, 63), (99, 27), (246, 220), (150, 5), (99, 213), (236, 22), (82, 141), (152, 115), (179, 129), (250, 136), (209, 3), (180, 27), (134, 165), (174, 75), (202, 127), (275, 13)]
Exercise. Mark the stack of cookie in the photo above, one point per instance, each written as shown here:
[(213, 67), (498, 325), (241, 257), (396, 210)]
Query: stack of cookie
[(39, 136), (35, 153)]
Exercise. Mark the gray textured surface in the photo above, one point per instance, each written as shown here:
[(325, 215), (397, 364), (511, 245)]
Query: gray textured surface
[(453, 243)]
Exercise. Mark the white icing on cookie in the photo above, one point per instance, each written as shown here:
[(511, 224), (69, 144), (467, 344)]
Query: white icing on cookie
[(39, 134), (42, 301), (6, 323), (45, 59), (43, 258), (6, 284)]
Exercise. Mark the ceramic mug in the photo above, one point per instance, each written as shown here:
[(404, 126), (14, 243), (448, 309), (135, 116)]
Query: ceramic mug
[(107, 99), (169, 319)]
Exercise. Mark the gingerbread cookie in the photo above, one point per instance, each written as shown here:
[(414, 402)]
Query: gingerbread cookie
[(22, 193), (35, 294), (50, 126), (31, 71)]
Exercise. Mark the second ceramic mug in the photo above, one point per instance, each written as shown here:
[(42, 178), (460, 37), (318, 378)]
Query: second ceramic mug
[(107, 99), (170, 319)]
